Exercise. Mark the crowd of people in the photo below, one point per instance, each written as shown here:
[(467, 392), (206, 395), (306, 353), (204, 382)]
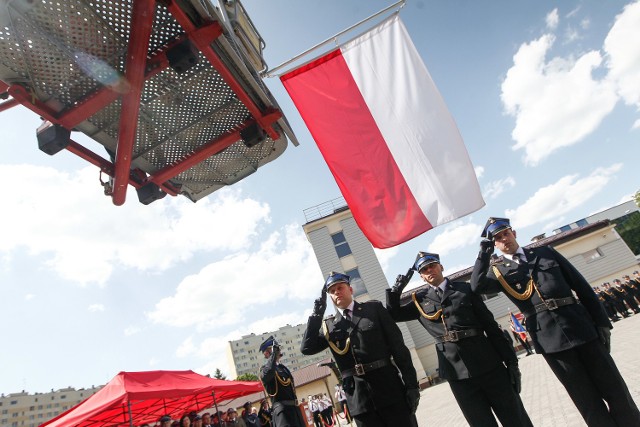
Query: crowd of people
[(250, 417), (621, 299), (321, 407)]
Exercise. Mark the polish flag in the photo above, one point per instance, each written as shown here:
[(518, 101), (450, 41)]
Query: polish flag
[(386, 135)]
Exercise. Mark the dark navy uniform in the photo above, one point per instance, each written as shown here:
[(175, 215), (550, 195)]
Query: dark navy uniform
[(265, 415), (363, 348), (568, 331), (628, 295), (278, 383), (608, 303), (475, 362), (616, 299), (633, 286)]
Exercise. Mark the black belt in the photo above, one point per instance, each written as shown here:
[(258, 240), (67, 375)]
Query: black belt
[(362, 368), (286, 402), (550, 304), (453, 336)]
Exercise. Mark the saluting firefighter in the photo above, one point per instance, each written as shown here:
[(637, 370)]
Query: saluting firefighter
[(278, 383), (363, 338), (473, 354), (565, 320)]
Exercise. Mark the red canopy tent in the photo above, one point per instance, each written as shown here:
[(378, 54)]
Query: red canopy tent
[(135, 398)]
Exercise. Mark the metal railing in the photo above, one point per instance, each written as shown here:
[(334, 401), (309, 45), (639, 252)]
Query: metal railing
[(325, 209)]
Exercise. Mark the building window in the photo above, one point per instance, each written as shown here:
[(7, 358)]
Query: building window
[(581, 222), (592, 255), (565, 228), (341, 245), (356, 282)]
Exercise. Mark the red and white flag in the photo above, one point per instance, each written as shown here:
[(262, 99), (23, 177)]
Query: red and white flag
[(386, 134)]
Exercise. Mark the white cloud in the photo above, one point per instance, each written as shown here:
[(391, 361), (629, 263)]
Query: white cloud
[(283, 268), (623, 55), (66, 217), (534, 87), (29, 297), (450, 269), (479, 170), (573, 12), (553, 201), (571, 35), (186, 348), (585, 23), (495, 188), (385, 256), (131, 330), (455, 236), (214, 349), (415, 282), (552, 19), (96, 307)]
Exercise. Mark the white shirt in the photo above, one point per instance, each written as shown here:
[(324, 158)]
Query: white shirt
[(341, 310), (519, 252)]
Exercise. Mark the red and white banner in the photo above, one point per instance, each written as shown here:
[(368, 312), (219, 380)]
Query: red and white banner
[(386, 134)]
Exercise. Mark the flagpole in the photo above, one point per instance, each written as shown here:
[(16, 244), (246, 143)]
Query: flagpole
[(271, 73)]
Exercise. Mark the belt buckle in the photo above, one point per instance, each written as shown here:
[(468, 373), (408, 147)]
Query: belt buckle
[(359, 368), (551, 304), (451, 336)]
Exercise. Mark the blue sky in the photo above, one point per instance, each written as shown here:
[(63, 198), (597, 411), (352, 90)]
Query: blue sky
[(546, 96)]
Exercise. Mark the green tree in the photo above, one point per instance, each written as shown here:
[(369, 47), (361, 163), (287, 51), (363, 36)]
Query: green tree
[(247, 377), (637, 198), (628, 227), (219, 375)]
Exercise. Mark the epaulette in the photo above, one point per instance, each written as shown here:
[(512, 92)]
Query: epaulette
[(498, 261)]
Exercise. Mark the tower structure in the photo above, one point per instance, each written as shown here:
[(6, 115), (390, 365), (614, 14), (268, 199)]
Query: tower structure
[(339, 245)]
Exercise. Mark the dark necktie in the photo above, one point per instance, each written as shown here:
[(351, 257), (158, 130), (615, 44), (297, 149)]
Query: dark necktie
[(439, 292), (519, 258), (347, 314)]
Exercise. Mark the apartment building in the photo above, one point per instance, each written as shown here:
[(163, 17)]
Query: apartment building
[(30, 410), (245, 357)]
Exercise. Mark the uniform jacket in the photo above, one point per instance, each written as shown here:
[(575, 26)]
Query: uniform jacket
[(374, 336), (273, 375), (264, 415), (461, 309), (552, 330)]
